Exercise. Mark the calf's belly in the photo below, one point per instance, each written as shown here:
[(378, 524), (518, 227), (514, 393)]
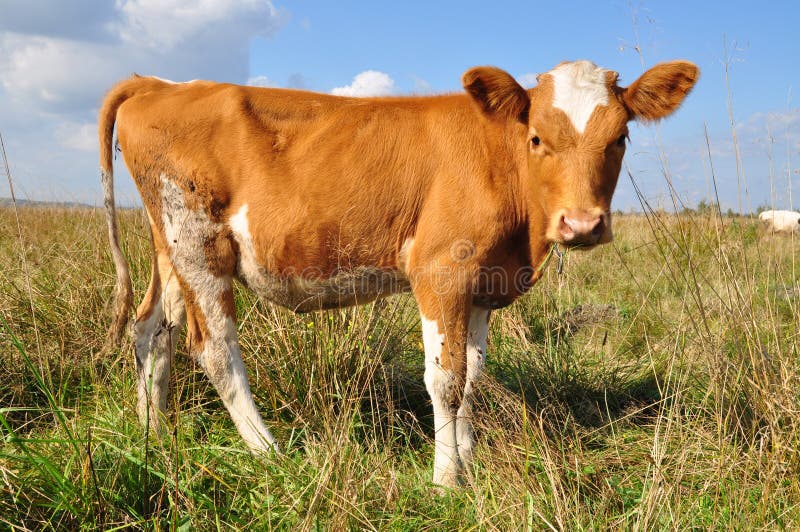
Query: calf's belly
[(308, 293)]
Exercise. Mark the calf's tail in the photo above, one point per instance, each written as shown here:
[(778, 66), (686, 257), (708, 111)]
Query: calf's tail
[(123, 293)]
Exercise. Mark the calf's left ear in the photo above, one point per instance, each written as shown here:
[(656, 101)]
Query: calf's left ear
[(660, 90), (498, 94)]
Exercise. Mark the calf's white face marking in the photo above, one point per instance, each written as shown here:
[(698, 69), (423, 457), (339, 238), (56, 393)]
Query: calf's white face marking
[(578, 88)]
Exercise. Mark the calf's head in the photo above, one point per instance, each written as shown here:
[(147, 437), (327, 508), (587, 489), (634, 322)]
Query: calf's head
[(570, 133)]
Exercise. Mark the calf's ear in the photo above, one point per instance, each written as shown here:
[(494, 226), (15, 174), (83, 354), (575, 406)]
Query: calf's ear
[(660, 90), (497, 93)]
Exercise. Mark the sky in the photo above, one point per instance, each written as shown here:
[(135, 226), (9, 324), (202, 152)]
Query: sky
[(58, 57)]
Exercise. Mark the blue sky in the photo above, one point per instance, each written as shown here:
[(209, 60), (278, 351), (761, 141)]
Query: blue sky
[(60, 64)]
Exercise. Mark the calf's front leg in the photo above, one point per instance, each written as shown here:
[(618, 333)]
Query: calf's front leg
[(477, 333), (442, 385), (445, 335)]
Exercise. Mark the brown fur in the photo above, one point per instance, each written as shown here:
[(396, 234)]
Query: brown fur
[(220, 253), (196, 330)]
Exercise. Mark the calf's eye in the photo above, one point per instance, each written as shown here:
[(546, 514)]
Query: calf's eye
[(536, 141), (621, 140)]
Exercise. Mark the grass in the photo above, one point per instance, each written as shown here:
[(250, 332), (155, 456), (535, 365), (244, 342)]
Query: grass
[(653, 384)]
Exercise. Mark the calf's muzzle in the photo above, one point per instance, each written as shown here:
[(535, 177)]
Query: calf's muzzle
[(581, 228)]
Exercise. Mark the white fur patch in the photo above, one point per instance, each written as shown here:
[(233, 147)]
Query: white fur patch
[(238, 223), (441, 388), (579, 87), (173, 82), (405, 253), (248, 265)]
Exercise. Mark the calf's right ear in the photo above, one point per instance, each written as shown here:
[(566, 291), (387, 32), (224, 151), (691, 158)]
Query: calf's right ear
[(497, 93)]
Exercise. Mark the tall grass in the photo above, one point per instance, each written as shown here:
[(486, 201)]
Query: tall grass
[(652, 384)]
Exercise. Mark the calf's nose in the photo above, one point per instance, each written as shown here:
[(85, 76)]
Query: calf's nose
[(580, 227)]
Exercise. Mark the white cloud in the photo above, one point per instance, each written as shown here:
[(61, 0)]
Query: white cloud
[(260, 81), (776, 123), (769, 132), (165, 23), (62, 74), (57, 61), (77, 136), (55, 74), (297, 81), (421, 86), (367, 83), (527, 80), (85, 20)]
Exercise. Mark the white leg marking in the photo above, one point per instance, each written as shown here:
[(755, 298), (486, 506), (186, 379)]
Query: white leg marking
[(579, 87), (154, 344), (476, 361), (222, 362), (441, 387), (186, 231)]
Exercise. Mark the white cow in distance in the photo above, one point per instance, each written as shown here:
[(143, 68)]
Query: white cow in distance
[(781, 221)]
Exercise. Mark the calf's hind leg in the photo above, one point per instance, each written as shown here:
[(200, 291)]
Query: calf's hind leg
[(214, 341), (159, 319), (204, 255)]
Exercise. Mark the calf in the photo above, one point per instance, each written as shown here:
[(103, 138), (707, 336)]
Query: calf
[(317, 201)]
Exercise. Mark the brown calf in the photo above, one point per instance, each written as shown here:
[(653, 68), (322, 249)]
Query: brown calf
[(316, 201)]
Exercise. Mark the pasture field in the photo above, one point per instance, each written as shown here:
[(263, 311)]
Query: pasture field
[(654, 383)]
